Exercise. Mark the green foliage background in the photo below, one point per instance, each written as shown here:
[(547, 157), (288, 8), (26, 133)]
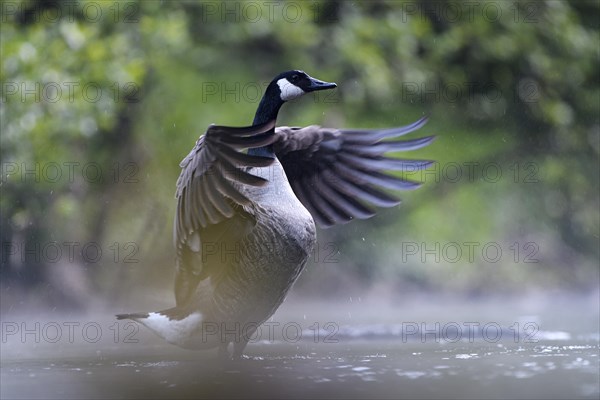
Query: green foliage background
[(511, 86)]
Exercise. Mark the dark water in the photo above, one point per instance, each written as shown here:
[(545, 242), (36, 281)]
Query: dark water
[(351, 358), (359, 369)]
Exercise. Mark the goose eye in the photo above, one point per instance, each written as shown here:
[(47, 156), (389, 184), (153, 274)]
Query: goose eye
[(294, 78)]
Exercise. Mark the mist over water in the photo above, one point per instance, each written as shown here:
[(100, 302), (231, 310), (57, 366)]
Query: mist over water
[(535, 347)]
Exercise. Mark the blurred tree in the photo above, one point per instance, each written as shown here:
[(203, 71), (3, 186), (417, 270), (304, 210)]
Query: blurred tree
[(126, 88)]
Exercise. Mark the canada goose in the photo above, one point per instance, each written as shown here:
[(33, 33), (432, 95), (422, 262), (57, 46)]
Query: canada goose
[(245, 221)]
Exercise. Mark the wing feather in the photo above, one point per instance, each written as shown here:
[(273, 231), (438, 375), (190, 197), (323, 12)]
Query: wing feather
[(338, 174), (209, 195)]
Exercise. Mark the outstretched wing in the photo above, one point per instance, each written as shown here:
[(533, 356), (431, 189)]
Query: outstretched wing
[(208, 197), (337, 174), (205, 193)]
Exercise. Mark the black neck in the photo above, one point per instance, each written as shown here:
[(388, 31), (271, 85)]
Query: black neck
[(267, 111)]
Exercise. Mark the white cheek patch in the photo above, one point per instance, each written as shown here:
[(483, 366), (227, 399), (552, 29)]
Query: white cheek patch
[(289, 91)]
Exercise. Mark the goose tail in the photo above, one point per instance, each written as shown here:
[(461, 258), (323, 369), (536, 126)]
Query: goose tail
[(173, 325)]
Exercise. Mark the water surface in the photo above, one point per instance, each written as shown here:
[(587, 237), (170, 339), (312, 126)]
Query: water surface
[(361, 354)]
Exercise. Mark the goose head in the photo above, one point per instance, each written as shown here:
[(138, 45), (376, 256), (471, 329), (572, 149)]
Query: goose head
[(284, 87), (295, 83)]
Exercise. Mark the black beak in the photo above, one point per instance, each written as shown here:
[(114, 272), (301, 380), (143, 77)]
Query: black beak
[(316, 84)]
